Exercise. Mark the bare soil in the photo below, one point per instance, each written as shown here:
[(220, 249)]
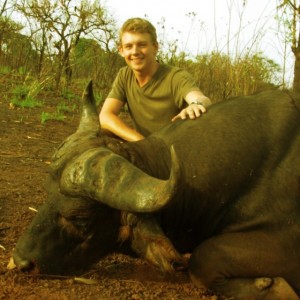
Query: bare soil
[(26, 147)]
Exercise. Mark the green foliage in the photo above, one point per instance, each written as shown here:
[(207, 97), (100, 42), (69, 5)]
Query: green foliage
[(99, 97), (69, 20), (58, 116), (288, 18), (22, 70), (85, 55), (5, 69), (90, 60), (8, 26), (26, 103), (62, 107), (221, 77), (68, 95), (87, 51), (22, 97), (20, 92)]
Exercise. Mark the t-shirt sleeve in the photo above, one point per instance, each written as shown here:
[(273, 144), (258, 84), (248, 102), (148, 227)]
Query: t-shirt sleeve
[(118, 88), (182, 84)]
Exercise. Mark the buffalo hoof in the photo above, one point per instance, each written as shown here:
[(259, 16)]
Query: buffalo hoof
[(277, 288), (263, 288)]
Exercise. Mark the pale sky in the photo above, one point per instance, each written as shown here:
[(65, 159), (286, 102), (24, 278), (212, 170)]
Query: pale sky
[(215, 26)]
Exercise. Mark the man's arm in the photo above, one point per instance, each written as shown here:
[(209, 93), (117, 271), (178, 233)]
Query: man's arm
[(197, 104), (110, 120)]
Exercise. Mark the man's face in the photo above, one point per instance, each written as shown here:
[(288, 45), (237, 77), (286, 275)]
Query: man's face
[(138, 50)]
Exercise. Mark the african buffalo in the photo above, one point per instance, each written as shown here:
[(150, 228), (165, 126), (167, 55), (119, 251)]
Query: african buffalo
[(224, 187)]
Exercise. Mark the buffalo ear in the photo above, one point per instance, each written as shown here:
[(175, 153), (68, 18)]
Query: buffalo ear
[(89, 115)]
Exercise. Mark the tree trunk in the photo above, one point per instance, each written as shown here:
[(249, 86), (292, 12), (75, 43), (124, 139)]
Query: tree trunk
[(296, 50), (296, 83)]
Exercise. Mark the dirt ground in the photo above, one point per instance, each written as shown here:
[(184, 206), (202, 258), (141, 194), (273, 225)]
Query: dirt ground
[(26, 147)]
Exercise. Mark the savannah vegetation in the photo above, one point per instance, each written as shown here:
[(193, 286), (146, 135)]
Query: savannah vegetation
[(58, 45)]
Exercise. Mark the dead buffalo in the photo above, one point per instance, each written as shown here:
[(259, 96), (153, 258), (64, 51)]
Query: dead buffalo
[(224, 187)]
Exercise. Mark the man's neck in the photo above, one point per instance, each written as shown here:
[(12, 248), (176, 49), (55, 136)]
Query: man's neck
[(144, 77)]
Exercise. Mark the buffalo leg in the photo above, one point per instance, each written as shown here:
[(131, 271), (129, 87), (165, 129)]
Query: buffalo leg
[(241, 266), (149, 241)]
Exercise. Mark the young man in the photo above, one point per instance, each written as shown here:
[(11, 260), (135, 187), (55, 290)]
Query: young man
[(156, 94)]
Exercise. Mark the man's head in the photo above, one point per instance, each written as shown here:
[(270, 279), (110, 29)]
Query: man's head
[(138, 25), (138, 45)]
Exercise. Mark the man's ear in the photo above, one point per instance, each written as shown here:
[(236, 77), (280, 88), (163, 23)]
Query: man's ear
[(156, 47), (120, 49)]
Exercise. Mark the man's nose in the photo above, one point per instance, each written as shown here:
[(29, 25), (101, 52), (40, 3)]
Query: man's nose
[(135, 49)]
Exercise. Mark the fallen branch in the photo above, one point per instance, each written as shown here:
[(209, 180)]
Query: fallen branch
[(75, 279), (11, 154), (41, 139)]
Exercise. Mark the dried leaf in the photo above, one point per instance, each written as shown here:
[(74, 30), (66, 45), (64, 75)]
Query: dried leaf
[(85, 280), (33, 209)]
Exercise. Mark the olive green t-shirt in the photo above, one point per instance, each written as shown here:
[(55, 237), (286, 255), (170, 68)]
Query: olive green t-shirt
[(154, 105)]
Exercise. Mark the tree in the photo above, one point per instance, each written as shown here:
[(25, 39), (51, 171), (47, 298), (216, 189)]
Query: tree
[(291, 20), (90, 60), (62, 23), (8, 30), (3, 8)]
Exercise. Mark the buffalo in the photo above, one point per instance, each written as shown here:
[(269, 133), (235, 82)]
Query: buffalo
[(223, 188)]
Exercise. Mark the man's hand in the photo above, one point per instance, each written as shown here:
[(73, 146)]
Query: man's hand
[(193, 111)]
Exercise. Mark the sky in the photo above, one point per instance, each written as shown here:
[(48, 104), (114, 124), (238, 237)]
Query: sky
[(202, 26)]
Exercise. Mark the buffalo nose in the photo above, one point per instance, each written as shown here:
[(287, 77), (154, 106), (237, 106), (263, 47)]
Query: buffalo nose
[(25, 265)]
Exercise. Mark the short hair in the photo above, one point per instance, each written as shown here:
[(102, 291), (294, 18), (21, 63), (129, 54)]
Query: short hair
[(138, 25)]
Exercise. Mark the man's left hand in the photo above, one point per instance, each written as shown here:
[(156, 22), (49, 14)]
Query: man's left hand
[(193, 111)]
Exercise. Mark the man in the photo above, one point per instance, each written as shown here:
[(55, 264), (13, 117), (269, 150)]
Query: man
[(156, 94)]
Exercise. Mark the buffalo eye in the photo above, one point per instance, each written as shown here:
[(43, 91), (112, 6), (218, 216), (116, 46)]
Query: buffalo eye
[(74, 225), (80, 222)]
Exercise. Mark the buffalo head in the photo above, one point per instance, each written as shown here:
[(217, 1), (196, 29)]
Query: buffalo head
[(88, 187)]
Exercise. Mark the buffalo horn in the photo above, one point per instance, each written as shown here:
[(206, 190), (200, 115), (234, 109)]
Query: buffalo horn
[(107, 177), (89, 116)]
